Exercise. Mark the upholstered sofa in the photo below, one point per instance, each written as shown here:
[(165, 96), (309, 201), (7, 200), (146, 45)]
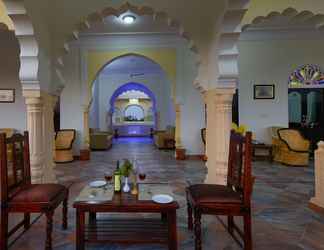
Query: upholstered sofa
[(9, 132), (63, 145), (165, 139), (100, 140), (292, 149)]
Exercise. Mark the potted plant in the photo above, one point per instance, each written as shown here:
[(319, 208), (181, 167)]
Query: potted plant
[(126, 169)]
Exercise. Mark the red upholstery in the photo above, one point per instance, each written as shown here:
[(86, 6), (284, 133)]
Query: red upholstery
[(39, 193), (204, 193)]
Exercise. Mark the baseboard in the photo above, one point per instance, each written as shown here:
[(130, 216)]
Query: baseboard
[(196, 157)]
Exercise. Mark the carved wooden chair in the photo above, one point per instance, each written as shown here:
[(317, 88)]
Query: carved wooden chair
[(233, 199), (18, 195)]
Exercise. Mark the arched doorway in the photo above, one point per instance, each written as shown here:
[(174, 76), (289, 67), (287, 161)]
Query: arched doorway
[(132, 80), (132, 108)]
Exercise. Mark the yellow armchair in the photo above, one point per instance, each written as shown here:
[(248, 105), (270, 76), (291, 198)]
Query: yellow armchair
[(100, 140), (293, 149), (165, 139), (63, 145)]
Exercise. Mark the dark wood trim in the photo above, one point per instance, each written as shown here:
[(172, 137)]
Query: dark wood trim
[(264, 98), (14, 96)]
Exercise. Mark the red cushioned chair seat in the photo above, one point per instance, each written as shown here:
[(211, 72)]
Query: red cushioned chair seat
[(39, 193), (206, 193)]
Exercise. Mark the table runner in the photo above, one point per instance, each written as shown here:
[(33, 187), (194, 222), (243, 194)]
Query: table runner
[(146, 191), (96, 194)]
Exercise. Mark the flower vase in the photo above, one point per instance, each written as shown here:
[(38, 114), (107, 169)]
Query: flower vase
[(126, 187)]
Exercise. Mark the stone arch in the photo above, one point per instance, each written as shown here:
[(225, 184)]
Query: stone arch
[(295, 17), (25, 34), (167, 63), (132, 86), (231, 28), (99, 17)]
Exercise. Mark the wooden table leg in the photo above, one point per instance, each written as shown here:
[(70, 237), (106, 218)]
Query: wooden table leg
[(80, 228), (172, 230), (92, 217), (164, 216)]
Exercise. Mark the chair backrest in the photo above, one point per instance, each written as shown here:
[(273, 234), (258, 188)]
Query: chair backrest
[(294, 139), (239, 165), (64, 138), (14, 170)]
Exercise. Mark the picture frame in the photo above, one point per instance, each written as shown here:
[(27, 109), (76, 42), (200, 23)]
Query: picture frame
[(264, 92), (7, 95)]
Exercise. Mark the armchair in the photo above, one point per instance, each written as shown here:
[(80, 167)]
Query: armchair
[(165, 139), (293, 148), (101, 140), (276, 142), (63, 145)]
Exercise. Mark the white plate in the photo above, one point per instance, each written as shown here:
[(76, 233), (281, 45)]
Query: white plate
[(97, 184), (162, 198)]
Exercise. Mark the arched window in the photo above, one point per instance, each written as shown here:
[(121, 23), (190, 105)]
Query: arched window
[(308, 74), (134, 113)]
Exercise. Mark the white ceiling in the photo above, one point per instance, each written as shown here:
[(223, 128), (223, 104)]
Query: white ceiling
[(142, 24), (132, 65)]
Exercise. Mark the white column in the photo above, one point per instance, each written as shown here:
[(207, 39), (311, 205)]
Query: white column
[(35, 129), (86, 129), (318, 200), (219, 120), (48, 137), (178, 126), (40, 125)]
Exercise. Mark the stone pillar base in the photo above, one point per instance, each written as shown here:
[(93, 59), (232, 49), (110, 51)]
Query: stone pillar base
[(84, 155), (180, 154), (313, 204)]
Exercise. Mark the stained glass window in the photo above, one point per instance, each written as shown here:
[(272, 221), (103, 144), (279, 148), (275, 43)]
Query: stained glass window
[(308, 74)]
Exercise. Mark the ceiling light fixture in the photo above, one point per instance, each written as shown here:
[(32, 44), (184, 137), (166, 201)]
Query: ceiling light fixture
[(129, 19)]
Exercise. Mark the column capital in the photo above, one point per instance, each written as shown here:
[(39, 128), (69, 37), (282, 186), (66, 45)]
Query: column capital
[(85, 108), (219, 95)]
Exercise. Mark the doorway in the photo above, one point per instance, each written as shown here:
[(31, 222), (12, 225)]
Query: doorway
[(306, 109)]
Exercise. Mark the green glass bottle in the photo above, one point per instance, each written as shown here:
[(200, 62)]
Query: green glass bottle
[(117, 179)]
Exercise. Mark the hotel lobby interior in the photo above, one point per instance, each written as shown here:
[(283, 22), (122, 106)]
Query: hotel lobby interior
[(175, 124)]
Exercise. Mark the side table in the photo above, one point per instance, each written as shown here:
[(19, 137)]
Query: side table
[(266, 148)]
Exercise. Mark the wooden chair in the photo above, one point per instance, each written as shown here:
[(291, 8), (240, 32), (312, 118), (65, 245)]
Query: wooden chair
[(233, 199), (18, 195)]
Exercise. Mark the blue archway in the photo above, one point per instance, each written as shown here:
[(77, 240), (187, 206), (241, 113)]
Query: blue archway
[(131, 86), (137, 87)]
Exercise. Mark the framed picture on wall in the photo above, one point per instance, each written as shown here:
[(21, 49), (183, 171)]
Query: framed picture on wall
[(262, 92), (7, 95)]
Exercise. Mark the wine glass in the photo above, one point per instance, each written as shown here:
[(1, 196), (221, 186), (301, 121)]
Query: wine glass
[(141, 173), (108, 178)]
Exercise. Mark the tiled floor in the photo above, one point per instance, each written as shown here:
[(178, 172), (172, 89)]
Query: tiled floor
[(281, 219)]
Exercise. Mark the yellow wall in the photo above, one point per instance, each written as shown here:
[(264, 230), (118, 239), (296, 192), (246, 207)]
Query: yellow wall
[(165, 57), (4, 18)]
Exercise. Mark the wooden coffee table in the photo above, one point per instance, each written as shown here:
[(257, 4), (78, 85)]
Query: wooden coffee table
[(160, 230)]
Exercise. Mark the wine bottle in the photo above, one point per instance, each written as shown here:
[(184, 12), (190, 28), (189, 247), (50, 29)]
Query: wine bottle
[(117, 178)]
